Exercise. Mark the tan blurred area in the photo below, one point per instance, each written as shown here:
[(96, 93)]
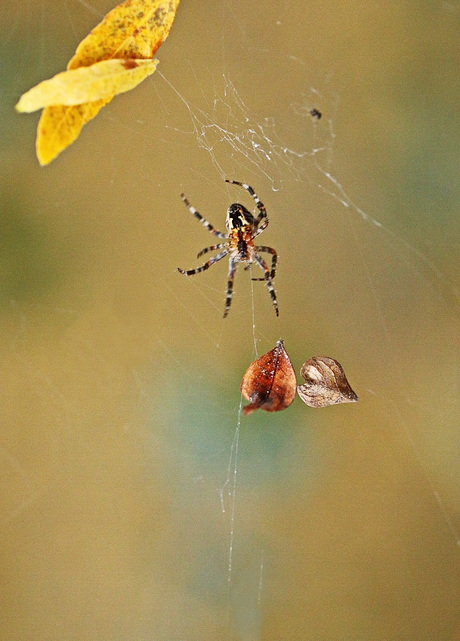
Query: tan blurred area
[(134, 503)]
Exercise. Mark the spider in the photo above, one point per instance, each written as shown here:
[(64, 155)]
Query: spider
[(242, 229)]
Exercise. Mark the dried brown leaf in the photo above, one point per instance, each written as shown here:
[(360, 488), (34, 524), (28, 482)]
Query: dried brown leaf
[(325, 383), (269, 383)]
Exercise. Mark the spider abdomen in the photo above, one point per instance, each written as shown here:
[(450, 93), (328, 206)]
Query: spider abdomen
[(243, 249), (241, 244)]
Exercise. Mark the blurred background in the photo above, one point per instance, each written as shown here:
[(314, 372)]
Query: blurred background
[(135, 502)]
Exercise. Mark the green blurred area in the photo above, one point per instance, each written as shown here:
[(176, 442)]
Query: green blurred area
[(135, 504)]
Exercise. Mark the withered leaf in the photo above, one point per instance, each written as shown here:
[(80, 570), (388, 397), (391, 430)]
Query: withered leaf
[(269, 383), (325, 383)]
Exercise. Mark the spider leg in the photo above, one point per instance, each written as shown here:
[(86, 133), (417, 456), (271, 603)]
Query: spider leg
[(248, 266), (269, 250), (210, 249), (202, 220), (231, 277), (207, 264), (260, 229), (263, 265), (259, 203)]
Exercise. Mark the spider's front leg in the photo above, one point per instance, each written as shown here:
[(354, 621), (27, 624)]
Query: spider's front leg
[(207, 264), (202, 220), (259, 203)]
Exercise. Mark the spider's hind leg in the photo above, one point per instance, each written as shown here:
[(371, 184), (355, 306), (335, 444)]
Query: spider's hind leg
[(269, 250), (263, 265), (231, 279), (248, 266)]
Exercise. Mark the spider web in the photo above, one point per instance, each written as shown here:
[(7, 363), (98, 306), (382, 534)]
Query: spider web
[(139, 503)]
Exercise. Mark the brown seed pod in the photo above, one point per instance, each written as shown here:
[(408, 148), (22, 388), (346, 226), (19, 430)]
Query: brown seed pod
[(269, 383), (325, 383)]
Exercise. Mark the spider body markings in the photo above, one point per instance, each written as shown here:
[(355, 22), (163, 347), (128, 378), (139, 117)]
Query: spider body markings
[(238, 244)]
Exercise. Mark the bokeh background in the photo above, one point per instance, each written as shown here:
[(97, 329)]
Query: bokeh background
[(135, 502)]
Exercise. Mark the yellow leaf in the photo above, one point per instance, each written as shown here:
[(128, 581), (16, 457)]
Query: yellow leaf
[(87, 84), (113, 58), (133, 29), (59, 126)]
